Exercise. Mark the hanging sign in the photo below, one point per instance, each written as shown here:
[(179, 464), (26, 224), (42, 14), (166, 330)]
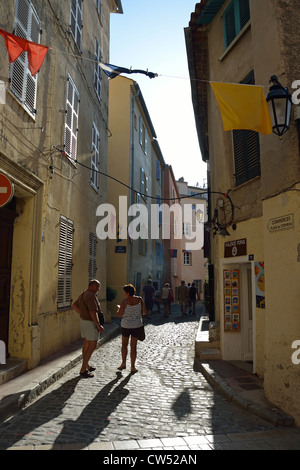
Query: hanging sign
[(235, 248), (6, 190)]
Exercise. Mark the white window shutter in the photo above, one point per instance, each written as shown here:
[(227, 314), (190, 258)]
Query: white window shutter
[(71, 122), (95, 158), (65, 263), (22, 84)]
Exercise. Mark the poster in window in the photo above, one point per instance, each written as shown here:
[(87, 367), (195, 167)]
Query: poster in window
[(259, 270), (231, 293)]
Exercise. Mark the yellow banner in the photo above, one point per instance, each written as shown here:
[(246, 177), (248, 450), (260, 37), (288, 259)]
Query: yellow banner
[(243, 107)]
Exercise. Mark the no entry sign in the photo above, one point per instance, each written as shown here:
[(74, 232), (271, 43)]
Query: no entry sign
[(6, 190)]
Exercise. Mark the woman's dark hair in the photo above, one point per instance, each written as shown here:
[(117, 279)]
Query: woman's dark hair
[(129, 288)]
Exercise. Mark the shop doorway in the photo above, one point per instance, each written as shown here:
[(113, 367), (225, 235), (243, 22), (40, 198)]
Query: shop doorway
[(7, 217)]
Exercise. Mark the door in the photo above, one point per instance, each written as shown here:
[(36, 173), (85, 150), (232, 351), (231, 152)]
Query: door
[(247, 313), (7, 217)]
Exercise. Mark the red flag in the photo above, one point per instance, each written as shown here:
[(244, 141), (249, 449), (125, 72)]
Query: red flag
[(16, 45), (36, 55)]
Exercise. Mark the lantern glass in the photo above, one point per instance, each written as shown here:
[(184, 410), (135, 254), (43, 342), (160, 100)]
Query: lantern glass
[(280, 105)]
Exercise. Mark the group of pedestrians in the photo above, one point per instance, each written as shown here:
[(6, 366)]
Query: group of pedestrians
[(187, 297), (131, 312)]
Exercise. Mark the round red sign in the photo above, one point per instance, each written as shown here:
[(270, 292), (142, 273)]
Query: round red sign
[(6, 190)]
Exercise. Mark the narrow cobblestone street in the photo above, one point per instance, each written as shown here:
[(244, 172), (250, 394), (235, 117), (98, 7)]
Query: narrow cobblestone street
[(167, 398)]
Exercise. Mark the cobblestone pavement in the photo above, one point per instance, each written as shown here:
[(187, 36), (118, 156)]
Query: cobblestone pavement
[(166, 398)]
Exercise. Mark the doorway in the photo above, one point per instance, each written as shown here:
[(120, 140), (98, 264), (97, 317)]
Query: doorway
[(246, 312), (7, 217)]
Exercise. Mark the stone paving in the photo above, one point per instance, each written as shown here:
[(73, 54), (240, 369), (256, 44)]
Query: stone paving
[(166, 404)]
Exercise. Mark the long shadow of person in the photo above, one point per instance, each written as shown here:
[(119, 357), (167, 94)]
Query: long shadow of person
[(95, 416), (42, 411)]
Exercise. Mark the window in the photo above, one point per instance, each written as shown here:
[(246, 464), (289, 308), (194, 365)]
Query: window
[(65, 262), (246, 150), (246, 155), (235, 17), (99, 6), (76, 21), (144, 185), (187, 258), (159, 253), (22, 84), (97, 71), (92, 256), (95, 158), (71, 124), (186, 229), (143, 136), (157, 170)]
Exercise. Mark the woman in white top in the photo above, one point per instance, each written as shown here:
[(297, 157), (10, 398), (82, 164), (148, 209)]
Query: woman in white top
[(131, 310)]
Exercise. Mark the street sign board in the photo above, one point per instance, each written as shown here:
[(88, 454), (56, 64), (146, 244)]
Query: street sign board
[(6, 190)]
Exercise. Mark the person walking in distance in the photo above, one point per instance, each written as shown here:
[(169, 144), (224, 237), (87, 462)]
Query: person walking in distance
[(193, 296), (131, 310), (183, 295), (149, 293), (88, 307)]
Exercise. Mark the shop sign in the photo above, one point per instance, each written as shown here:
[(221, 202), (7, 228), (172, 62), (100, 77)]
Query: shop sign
[(235, 248), (281, 223), (120, 249)]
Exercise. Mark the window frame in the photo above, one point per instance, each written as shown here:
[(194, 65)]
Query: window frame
[(23, 85), (187, 258)]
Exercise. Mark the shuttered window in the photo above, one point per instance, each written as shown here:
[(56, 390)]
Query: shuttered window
[(65, 262), (76, 21), (235, 17), (95, 158), (22, 84), (246, 155), (246, 149), (92, 256), (97, 70), (71, 124)]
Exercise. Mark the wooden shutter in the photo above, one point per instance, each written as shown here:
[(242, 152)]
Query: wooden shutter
[(92, 256), (244, 12), (235, 17), (97, 70), (95, 158), (246, 149), (65, 262), (229, 24), (22, 84), (246, 155), (76, 21), (71, 124)]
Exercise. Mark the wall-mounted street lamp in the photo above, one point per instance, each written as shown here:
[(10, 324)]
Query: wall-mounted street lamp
[(280, 105)]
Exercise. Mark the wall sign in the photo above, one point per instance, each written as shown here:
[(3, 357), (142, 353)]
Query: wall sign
[(281, 223), (120, 249), (232, 321), (235, 248)]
